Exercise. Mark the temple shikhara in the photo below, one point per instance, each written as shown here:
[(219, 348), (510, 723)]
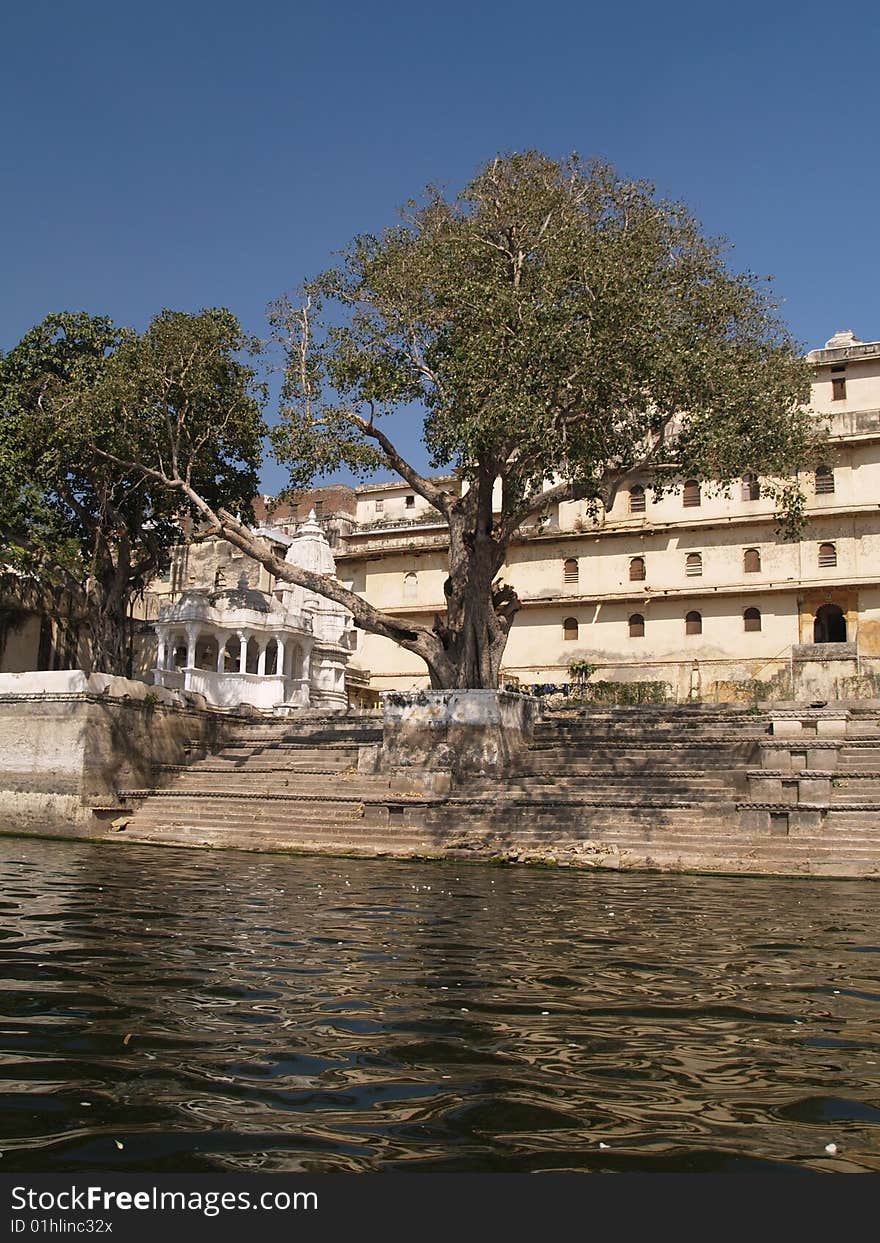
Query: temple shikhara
[(275, 650)]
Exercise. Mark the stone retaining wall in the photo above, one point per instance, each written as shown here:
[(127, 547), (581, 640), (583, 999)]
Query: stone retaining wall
[(69, 742)]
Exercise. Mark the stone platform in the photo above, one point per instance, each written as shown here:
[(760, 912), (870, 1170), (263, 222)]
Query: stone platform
[(679, 788)]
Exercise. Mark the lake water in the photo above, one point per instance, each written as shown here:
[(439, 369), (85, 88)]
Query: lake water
[(167, 1010)]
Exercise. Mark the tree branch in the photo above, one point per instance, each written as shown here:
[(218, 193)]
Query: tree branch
[(435, 496), (223, 525)]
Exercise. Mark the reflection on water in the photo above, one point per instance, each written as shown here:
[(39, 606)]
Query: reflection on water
[(174, 1010)]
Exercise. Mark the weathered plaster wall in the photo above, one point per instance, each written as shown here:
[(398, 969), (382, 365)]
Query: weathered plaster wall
[(66, 748)]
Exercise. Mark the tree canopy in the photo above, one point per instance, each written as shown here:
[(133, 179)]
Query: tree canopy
[(557, 328), (77, 395)]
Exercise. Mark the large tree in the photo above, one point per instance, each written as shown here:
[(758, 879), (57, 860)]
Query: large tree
[(71, 517), (555, 328)]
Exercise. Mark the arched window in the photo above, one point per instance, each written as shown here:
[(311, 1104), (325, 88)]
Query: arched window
[(824, 480), (637, 499), (570, 629), (637, 626), (751, 561), (693, 623), (752, 619), (570, 571), (827, 554), (691, 495), (751, 488), (830, 624), (637, 570), (693, 566), (411, 586)]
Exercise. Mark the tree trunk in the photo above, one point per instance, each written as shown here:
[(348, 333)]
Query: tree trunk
[(479, 611), (110, 643)]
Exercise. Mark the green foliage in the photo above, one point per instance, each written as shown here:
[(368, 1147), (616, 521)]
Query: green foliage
[(554, 320), (580, 671), (85, 407)]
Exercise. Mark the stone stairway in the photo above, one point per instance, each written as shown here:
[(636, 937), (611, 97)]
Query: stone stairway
[(274, 786), (686, 787), (675, 788)]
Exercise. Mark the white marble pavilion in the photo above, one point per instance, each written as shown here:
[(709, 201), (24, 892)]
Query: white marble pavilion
[(278, 652)]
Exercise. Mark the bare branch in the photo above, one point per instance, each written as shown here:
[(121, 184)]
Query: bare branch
[(226, 526), (435, 496)]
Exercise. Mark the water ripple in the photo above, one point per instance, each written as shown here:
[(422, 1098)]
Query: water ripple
[(223, 1012)]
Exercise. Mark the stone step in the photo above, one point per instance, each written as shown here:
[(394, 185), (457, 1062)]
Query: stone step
[(557, 763), (618, 739)]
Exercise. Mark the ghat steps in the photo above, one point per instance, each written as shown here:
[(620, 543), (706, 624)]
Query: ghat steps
[(666, 788)]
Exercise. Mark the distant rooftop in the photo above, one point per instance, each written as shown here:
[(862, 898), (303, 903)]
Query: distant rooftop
[(844, 344)]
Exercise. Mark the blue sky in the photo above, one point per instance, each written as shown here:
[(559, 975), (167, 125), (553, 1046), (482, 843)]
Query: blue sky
[(202, 154)]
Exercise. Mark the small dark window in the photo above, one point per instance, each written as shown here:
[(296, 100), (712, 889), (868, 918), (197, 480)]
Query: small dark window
[(410, 502), (693, 566), (637, 570), (693, 623), (691, 493), (380, 505), (570, 570), (827, 554), (751, 561), (637, 499), (838, 383), (751, 488), (570, 628), (829, 625), (824, 480), (752, 619), (637, 626)]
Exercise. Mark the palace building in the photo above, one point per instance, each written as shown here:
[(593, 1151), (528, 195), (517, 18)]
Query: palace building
[(694, 590)]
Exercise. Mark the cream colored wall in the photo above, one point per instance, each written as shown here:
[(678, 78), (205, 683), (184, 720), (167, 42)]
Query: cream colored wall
[(536, 644), (862, 387), (384, 581), (393, 498)]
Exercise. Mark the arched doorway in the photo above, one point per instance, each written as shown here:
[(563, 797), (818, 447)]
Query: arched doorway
[(830, 624)]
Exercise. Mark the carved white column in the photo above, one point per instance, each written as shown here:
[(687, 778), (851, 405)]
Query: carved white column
[(160, 650), (243, 652), (279, 656), (221, 652), (261, 659), (192, 638)]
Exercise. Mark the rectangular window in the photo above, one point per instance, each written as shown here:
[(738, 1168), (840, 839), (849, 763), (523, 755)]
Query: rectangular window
[(838, 383), (380, 505), (410, 502)]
